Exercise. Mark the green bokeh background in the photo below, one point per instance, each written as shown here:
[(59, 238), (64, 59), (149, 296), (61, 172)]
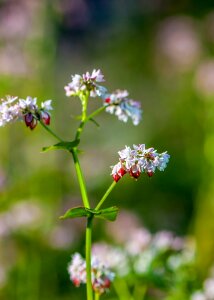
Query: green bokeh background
[(41, 44)]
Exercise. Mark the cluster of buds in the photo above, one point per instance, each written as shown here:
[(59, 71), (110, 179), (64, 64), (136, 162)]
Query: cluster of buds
[(139, 160), (119, 104), (101, 276), (13, 109), (81, 84)]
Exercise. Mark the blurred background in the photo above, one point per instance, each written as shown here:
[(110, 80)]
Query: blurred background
[(162, 52)]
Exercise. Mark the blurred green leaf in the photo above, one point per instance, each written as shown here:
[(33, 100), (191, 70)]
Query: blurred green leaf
[(109, 214), (62, 145)]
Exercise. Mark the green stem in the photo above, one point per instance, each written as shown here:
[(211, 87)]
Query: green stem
[(106, 195), (96, 112), (97, 296), (50, 131), (122, 289), (80, 179), (88, 258)]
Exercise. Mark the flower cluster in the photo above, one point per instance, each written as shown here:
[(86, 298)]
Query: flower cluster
[(138, 160), (80, 84), (27, 109), (101, 276), (119, 104)]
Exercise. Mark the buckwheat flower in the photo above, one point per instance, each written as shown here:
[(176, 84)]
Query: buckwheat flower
[(124, 108), (77, 270), (82, 84), (139, 160), (9, 110), (101, 276)]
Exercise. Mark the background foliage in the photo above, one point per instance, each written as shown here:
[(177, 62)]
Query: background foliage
[(162, 52)]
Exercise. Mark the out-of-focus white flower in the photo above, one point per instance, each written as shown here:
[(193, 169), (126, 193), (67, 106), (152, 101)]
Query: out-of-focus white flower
[(198, 296), (138, 241), (143, 261), (77, 269), (101, 276), (12, 109), (124, 108), (86, 83), (138, 160), (209, 288), (114, 258)]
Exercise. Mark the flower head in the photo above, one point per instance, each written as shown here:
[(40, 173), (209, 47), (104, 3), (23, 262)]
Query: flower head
[(101, 276), (124, 108), (13, 109), (81, 84), (138, 160)]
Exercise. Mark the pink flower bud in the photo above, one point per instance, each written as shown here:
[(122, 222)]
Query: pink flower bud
[(45, 118), (33, 124), (28, 119)]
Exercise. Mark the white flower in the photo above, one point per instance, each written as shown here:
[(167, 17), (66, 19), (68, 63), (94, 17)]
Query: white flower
[(77, 269), (209, 288), (30, 104), (81, 84), (138, 160), (9, 110), (12, 109), (46, 105), (198, 296), (117, 103), (101, 276)]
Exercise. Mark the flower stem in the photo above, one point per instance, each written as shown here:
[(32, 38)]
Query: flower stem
[(88, 258), (106, 195), (50, 131), (80, 179), (97, 296)]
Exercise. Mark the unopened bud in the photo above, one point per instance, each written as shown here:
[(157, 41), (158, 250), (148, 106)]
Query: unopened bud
[(150, 173), (45, 118), (134, 174)]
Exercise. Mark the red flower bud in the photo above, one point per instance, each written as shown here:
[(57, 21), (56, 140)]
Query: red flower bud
[(107, 100), (33, 124), (134, 174), (28, 119), (116, 177), (45, 118), (121, 172), (150, 173)]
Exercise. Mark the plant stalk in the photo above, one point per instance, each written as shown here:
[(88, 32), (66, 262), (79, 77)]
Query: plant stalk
[(88, 258), (111, 187)]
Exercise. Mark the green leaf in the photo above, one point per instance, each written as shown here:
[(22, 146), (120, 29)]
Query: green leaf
[(95, 122), (109, 214), (62, 145), (76, 212)]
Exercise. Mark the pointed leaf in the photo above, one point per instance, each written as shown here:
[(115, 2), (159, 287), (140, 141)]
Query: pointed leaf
[(62, 145), (95, 122), (76, 212), (109, 214)]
